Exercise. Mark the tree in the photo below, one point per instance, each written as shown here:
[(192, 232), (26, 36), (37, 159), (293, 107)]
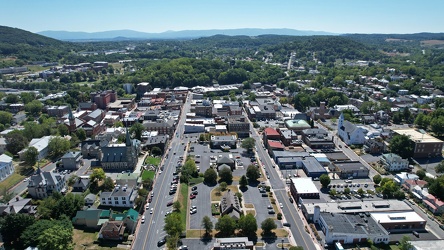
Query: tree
[(6, 196), (207, 225), (248, 143), (333, 192), (108, 185), (361, 191), (72, 180), (11, 98), (402, 146), (267, 225), (13, 226), (404, 243), (437, 125), (137, 130), (63, 130), (223, 186), (440, 167), (56, 238), (177, 206), (346, 190), (172, 241), (325, 180), (34, 108), (5, 118), (388, 187), (226, 225), (31, 156), (30, 237), (421, 173), (226, 175), (58, 146), (210, 176), (243, 182), (377, 179), (189, 170), (118, 124), (16, 141), (253, 173), (81, 134), (156, 151), (97, 175), (173, 224), (248, 225)]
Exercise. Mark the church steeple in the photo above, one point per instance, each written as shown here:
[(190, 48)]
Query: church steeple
[(128, 138), (70, 115), (341, 121)]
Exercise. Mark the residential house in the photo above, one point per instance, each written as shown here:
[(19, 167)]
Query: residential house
[(81, 185), (18, 205), (317, 138), (128, 179), (2, 145), (350, 133), (230, 205), (374, 145), (403, 176), (394, 162), (91, 218), (434, 204), (41, 144), (222, 141), (90, 199), (6, 166), (72, 160), (42, 184), (121, 196), (112, 230), (18, 118)]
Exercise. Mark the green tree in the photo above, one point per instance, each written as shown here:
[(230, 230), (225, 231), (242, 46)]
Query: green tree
[(377, 179), (58, 146), (267, 225), (173, 224), (226, 175), (72, 180), (388, 187), (177, 206), (11, 98), (248, 225), (361, 191), (62, 130), (16, 141), (223, 186), (421, 173), (226, 225), (333, 192), (6, 196), (108, 185), (248, 143), (97, 175), (137, 130), (243, 182), (34, 108), (404, 243), (30, 237), (13, 226), (210, 176), (402, 146), (31, 156), (253, 173), (440, 167), (325, 180), (156, 151), (172, 241), (437, 125), (56, 238), (5, 118), (207, 225), (346, 190), (118, 124), (81, 134), (189, 170)]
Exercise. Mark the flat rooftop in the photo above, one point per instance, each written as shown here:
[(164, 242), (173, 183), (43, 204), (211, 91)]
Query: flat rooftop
[(358, 206), (304, 185), (416, 136), (352, 224), (427, 244), (397, 217)]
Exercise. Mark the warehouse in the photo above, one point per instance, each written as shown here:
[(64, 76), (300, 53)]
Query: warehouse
[(350, 169)]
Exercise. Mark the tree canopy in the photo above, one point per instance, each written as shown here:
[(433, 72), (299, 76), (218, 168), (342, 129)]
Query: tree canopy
[(248, 143), (226, 225), (402, 146), (252, 173)]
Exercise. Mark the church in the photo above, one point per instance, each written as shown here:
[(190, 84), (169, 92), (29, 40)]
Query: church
[(350, 133)]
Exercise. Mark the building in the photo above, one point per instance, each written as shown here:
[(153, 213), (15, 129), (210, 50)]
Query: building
[(18, 205), (317, 138), (347, 169), (121, 196), (222, 141), (238, 243), (403, 176), (142, 88), (271, 134), (95, 218), (350, 133), (297, 125), (112, 230), (394, 162), (102, 99), (6, 166), (41, 144), (400, 221), (374, 145), (57, 111), (204, 110), (18, 118), (120, 156), (434, 204), (91, 148), (288, 137), (163, 127), (81, 184), (72, 160), (351, 229), (43, 184), (239, 125), (230, 205), (225, 161), (425, 144), (2, 145), (427, 244), (303, 188)]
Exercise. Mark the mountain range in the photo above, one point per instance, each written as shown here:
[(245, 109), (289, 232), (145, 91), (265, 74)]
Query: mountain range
[(184, 34)]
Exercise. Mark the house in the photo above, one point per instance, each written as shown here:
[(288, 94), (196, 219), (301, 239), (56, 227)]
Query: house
[(91, 148), (128, 179), (374, 145), (2, 145), (394, 162), (225, 161), (42, 184), (41, 144), (230, 205), (81, 185), (18, 205), (403, 176), (112, 230), (6, 166), (121, 196), (72, 160), (223, 140), (18, 118), (350, 133), (95, 218), (90, 199), (434, 204)]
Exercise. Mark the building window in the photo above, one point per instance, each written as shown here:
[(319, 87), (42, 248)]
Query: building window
[(116, 198), (124, 202)]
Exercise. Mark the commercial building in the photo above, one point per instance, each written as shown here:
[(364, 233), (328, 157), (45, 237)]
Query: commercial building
[(347, 169), (400, 221), (317, 138), (223, 140), (303, 188), (425, 144), (230, 205), (238, 243), (297, 125), (72, 160)]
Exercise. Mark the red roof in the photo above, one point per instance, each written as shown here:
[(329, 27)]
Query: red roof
[(413, 183), (271, 132), (275, 144), (430, 204)]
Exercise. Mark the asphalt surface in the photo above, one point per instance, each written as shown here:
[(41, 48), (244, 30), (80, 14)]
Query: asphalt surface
[(150, 232)]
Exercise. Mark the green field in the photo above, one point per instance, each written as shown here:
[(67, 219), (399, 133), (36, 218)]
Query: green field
[(11, 181), (183, 199), (148, 174), (152, 161)]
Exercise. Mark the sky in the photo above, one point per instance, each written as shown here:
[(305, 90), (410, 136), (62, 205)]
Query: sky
[(336, 16)]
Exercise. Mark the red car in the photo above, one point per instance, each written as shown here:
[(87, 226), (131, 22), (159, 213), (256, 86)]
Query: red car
[(192, 196), (169, 203)]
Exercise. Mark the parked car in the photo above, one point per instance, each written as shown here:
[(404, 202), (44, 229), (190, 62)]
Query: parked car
[(192, 196), (169, 203), (286, 224), (143, 219), (161, 242), (194, 188), (271, 211)]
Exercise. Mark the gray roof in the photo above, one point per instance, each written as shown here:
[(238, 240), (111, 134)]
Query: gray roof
[(348, 127), (352, 224), (5, 158), (2, 141), (96, 113), (42, 178), (225, 160), (71, 154)]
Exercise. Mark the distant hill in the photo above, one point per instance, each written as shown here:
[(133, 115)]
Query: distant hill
[(14, 36), (184, 34)]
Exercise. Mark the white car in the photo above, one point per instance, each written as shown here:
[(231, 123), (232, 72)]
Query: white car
[(193, 207), (280, 204), (151, 211), (147, 206), (193, 211), (143, 219)]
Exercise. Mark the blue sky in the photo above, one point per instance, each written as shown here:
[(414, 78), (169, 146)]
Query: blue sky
[(338, 16)]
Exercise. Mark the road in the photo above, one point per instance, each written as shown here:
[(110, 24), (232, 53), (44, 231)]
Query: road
[(150, 232), (289, 210)]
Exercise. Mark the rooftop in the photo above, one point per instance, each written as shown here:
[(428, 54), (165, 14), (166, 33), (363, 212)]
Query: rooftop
[(304, 185), (397, 217), (297, 124), (358, 206), (352, 224), (417, 136)]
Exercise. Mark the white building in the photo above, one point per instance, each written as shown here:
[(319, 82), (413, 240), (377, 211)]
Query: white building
[(403, 176), (121, 196), (394, 162), (6, 166), (350, 133), (41, 144)]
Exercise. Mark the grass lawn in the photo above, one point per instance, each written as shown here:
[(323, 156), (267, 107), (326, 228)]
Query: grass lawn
[(183, 199), (215, 209), (252, 212), (152, 160), (11, 181), (148, 174), (87, 240), (249, 205), (196, 180), (216, 197)]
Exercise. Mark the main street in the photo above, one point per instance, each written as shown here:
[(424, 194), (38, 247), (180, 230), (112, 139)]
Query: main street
[(289, 210), (150, 232)]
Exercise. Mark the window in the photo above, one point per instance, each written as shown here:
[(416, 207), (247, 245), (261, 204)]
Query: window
[(123, 198), (116, 202), (116, 198), (124, 202)]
